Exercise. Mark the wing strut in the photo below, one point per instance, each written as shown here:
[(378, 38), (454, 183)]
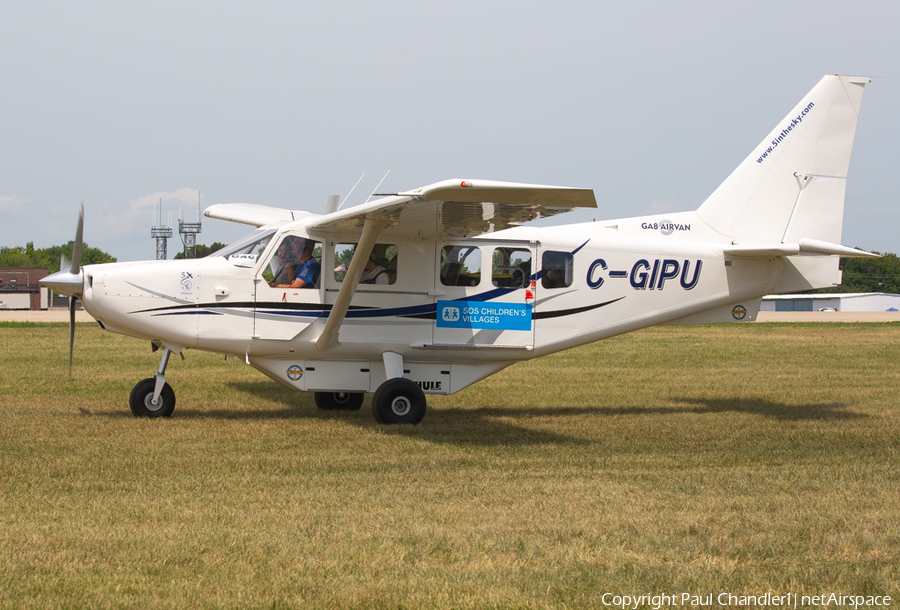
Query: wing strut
[(370, 232)]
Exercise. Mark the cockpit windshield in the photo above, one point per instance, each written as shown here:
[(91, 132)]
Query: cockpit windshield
[(245, 251)]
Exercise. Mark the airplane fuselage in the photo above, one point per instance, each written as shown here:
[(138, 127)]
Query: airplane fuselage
[(500, 298)]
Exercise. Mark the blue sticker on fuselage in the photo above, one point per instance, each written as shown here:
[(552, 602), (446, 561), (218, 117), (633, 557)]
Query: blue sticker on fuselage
[(483, 315)]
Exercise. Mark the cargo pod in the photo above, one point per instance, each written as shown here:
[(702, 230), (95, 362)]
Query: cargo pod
[(488, 292)]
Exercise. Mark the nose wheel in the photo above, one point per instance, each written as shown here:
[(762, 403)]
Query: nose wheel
[(339, 401), (143, 404)]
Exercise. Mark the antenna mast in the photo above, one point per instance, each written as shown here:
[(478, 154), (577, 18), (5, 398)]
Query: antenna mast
[(161, 233), (189, 231)]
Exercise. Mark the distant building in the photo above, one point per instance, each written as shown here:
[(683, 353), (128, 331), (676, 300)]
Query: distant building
[(19, 288), (851, 301)]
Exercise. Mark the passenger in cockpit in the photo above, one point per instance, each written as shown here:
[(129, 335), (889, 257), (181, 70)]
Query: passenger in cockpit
[(286, 271)]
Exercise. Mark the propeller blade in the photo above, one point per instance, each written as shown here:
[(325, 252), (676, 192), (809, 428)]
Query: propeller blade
[(69, 281), (76, 251), (71, 331)]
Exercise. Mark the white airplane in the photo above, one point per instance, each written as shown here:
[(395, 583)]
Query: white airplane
[(431, 290)]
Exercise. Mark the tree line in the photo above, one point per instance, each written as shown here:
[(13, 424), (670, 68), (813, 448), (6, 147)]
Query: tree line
[(869, 275), (201, 251), (29, 256)]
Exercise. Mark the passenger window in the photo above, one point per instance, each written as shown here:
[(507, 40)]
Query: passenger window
[(460, 266), (556, 269), (381, 268), (511, 268)]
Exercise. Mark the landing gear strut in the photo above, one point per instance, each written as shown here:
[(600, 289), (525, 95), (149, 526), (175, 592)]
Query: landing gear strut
[(398, 400), (153, 397)]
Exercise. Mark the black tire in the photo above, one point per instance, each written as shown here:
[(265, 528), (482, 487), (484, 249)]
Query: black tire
[(339, 401), (398, 401), (142, 394)]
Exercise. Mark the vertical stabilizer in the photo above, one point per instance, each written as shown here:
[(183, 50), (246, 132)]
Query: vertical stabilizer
[(792, 185)]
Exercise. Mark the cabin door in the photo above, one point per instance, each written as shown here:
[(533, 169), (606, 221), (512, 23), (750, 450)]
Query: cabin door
[(487, 293)]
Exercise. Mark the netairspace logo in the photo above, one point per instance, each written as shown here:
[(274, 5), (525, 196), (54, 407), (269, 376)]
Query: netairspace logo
[(786, 600)]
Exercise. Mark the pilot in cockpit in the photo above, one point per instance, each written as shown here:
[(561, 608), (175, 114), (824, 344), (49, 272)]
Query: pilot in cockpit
[(307, 267)]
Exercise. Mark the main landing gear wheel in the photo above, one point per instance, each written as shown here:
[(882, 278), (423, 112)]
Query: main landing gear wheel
[(339, 401), (398, 401), (142, 400)]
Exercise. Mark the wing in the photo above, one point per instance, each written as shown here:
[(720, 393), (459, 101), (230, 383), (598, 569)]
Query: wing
[(253, 214), (459, 208), (456, 208)]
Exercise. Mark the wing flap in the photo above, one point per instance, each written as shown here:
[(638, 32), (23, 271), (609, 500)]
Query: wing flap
[(479, 191)]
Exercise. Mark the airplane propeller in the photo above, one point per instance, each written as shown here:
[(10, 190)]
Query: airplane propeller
[(70, 281)]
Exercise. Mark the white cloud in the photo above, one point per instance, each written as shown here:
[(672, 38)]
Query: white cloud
[(123, 229), (184, 195), (12, 203), (660, 207), (668, 206), (132, 222)]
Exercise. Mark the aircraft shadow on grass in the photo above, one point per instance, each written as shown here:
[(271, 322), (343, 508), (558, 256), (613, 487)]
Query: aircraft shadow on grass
[(496, 425), (765, 408)]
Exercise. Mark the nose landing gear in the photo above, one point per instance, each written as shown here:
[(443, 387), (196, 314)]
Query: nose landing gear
[(153, 397)]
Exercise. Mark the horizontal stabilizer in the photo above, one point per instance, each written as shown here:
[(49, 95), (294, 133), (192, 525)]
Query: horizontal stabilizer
[(810, 247)]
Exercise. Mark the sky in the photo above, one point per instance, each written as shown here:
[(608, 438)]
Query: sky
[(652, 104)]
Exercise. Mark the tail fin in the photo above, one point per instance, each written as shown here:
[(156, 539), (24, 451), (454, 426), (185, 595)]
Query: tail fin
[(791, 187)]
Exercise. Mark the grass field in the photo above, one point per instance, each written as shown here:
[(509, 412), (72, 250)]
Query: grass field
[(745, 459)]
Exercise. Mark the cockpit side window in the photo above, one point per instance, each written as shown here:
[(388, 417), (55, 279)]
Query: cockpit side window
[(295, 263)]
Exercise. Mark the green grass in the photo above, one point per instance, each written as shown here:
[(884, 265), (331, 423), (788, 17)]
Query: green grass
[(744, 459)]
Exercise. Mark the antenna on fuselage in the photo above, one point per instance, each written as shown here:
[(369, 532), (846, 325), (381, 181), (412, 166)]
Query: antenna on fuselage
[(351, 192), (376, 188)]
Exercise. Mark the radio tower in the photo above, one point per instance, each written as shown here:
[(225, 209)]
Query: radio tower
[(189, 232), (161, 233)]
